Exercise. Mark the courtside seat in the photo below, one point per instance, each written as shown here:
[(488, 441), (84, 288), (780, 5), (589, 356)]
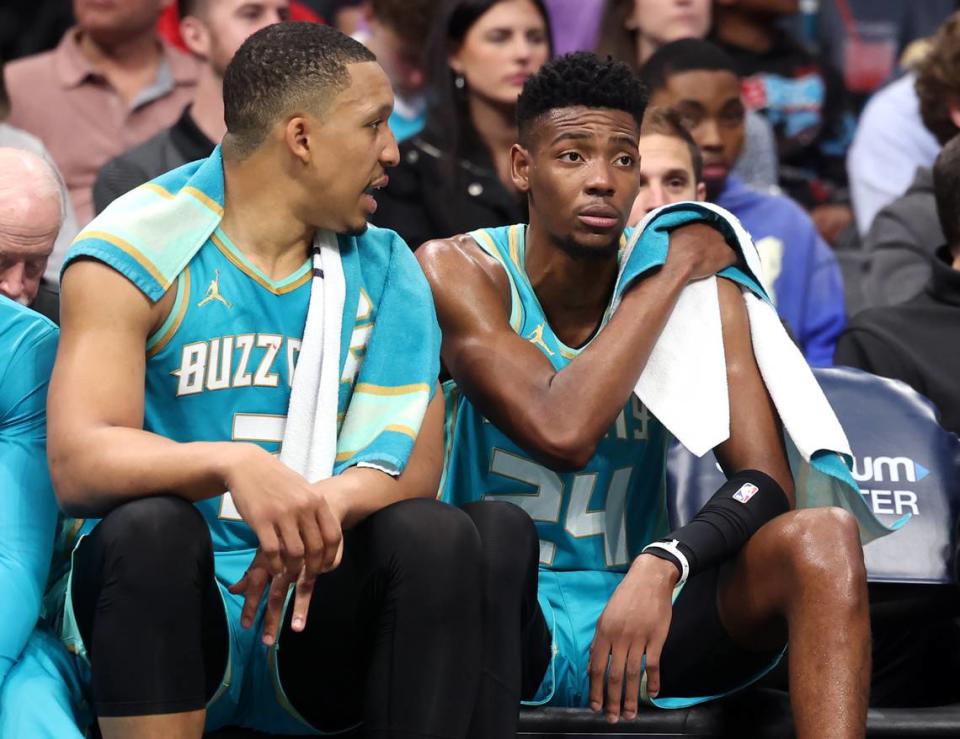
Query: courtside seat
[(547, 723)]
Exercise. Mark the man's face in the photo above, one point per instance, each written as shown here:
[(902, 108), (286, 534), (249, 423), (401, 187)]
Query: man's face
[(223, 25), (28, 230), (113, 21), (709, 105), (581, 173), (666, 175), (351, 147), (402, 62)]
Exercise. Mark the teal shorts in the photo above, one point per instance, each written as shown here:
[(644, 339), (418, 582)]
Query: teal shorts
[(699, 662)]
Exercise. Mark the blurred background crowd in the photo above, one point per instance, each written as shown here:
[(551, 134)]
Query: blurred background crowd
[(816, 122)]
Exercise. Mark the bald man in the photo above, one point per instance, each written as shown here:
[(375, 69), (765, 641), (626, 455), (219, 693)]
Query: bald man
[(31, 214)]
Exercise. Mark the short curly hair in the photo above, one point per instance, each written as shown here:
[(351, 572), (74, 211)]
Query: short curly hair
[(938, 80), (279, 68), (580, 79)]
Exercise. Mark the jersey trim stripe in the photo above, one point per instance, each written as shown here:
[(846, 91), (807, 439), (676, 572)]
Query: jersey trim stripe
[(166, 332), (259, 279)]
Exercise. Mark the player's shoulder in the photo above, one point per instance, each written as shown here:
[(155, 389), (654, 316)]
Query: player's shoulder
[(458, 259)]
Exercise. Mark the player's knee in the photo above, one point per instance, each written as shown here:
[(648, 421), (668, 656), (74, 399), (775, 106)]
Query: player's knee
[(150, 531), (824, 545), (508, 536), (428, 535)]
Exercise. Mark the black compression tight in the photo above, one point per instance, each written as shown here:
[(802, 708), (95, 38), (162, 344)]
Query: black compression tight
[(394, 638)]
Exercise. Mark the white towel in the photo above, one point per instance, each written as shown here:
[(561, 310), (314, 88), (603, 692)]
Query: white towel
[(310, 435), (684, 383)]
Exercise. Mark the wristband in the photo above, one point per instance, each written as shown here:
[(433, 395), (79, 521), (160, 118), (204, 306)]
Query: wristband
[(670, 548)]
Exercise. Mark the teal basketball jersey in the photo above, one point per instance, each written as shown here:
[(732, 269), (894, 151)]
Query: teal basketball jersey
[(220, 367), (598, 518)]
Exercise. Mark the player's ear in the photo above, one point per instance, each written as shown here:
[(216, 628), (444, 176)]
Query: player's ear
[(701, 191), (520, 161), (296, 135)]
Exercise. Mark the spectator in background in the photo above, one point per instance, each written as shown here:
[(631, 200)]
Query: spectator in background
[(804, 103), (14, 138), (671, 166), (31, 214), (109, 85), (213, 31), (890, 143), (396, 31), (917, 342), (801, 274), (575, 24), (905, 234), (455, 175), (633, 29), (347, 16), (863, 39), (169, 24)]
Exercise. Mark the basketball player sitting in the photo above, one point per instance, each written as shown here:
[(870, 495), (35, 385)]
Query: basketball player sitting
[(542, 414)]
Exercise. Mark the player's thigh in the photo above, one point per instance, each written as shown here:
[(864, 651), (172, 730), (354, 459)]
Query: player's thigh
[(42, 697)]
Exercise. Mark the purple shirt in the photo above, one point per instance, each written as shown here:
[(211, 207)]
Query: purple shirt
[(575, 24)]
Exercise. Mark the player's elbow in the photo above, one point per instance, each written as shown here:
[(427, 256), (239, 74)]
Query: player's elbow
[(68, 481), (565, 450)]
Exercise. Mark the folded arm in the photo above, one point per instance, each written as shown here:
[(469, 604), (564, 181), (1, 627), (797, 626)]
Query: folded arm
[(559, 417)]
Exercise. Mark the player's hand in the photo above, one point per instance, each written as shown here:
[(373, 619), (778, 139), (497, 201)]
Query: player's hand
[(258, 576), (634, 623), (255, 582), (700, 250), (293, 521)]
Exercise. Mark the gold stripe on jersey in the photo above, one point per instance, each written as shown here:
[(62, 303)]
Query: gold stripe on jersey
[(236, 262), (130, 250)]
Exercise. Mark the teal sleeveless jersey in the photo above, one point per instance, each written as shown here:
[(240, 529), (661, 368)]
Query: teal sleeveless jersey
[(598, 518), (220, 367)]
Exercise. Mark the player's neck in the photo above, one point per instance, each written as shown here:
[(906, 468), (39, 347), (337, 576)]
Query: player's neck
[(573, 291), (259, 220), (955, 253)]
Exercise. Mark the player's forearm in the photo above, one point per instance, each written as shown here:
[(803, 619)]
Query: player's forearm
[(582, 401), (362, 491), (114, 464)]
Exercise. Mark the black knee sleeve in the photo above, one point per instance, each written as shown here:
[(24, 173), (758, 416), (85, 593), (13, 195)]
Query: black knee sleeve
[(148, 608)]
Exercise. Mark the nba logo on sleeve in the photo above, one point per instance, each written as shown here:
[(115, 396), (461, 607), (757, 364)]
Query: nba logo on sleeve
[(746, 492)]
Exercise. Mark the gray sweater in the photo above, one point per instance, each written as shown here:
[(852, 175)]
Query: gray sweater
[(901, 243)]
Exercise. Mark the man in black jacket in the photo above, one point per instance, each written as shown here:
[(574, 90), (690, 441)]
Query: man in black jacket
[(917, 341), (213, 30)]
